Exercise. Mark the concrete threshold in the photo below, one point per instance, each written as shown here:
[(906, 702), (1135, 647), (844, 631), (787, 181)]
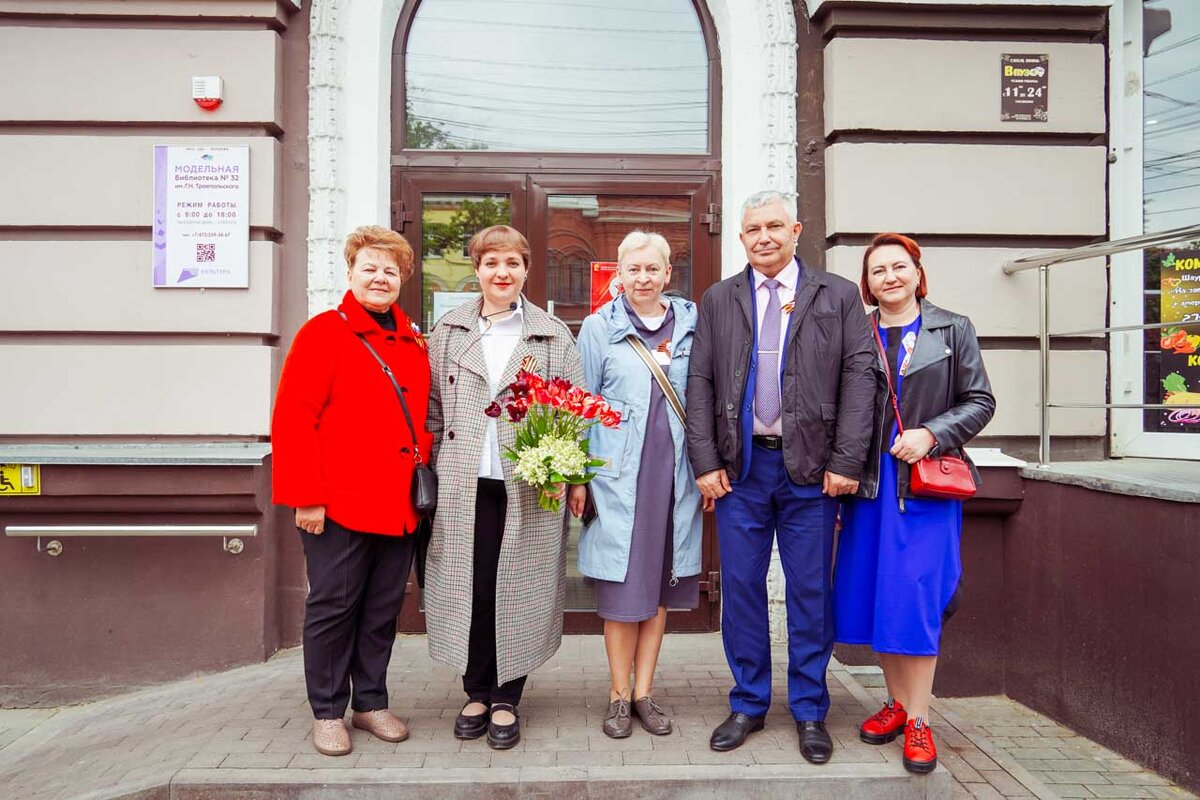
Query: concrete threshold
[(829, 782)]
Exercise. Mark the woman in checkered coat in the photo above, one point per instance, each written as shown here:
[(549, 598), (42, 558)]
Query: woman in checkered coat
[(495, 571)]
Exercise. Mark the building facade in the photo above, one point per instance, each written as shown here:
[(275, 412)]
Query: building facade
[(152, 550)]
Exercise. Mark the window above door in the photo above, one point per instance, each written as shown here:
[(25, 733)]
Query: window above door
[(539, 76)]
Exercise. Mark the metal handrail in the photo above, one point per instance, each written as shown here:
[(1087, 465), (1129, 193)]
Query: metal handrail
[(1042, 263), (1117, 329), (1107, 248), (231, 541)]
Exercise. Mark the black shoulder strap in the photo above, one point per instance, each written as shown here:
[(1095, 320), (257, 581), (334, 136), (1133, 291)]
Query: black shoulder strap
[(399, 392)]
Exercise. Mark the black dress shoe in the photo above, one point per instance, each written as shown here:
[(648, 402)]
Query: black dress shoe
[(503, 737), (731, 734), (815, 744), (472, 727)]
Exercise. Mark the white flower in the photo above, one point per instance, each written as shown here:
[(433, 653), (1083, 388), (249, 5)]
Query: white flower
[(552, 454), (566, 456), (530, 466)]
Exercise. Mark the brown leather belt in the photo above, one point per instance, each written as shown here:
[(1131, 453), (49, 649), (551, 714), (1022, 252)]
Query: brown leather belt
[(769, 442)]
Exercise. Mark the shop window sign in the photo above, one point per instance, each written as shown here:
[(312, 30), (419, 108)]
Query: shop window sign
[(1170, 186)]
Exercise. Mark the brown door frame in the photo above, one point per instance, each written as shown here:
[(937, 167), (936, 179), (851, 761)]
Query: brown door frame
[(529, 211)]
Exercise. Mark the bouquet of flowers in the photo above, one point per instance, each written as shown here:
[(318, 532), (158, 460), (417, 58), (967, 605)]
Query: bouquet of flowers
[(552, 418)]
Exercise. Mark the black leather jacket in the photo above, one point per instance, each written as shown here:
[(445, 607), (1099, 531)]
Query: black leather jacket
[(827, 389), (946, 390)]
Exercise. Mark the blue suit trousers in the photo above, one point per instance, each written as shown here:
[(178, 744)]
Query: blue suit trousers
[(763, 506)]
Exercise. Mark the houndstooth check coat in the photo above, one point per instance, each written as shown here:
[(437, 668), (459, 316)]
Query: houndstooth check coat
[(531, 577)]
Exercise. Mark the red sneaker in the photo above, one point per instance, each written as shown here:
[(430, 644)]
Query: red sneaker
[(885, 724), (920, 753)]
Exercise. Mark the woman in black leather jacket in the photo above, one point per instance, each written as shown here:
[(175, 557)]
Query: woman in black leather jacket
[(898, 563)]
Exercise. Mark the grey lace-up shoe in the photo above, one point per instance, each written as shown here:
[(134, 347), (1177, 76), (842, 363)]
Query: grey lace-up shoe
[(618, 724), (652, 716)]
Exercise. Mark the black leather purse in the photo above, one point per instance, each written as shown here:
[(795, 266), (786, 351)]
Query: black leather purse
[(424, 480)]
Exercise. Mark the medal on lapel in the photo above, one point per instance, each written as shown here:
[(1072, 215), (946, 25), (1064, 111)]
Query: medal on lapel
[(788, 306), (908, 343), (420, 337), (529, 363), (662, 353)]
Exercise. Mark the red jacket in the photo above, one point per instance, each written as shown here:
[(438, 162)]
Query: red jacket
[(338, 435)]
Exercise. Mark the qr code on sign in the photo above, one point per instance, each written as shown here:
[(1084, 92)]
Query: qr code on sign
[(206, 253)]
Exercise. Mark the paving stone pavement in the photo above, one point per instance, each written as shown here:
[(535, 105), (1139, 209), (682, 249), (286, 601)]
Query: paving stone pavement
[(1003, 737), (252, 725)]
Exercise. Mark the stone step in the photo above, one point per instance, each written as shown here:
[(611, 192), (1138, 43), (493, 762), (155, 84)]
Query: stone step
[(762, 782)]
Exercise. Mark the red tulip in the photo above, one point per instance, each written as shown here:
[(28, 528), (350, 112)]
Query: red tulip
[(493, 410)]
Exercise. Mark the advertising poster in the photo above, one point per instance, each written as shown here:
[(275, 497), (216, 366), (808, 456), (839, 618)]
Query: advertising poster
[(1179, 339), (605, 283), (201, 217), (1024, 88)]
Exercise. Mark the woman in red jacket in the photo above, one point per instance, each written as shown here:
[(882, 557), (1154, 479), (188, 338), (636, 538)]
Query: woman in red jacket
[(343, 457)]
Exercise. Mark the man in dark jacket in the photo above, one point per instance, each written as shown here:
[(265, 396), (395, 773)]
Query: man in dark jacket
[(780, 417)]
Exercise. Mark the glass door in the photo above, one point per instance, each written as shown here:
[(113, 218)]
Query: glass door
[(571, 222), (575, 221)]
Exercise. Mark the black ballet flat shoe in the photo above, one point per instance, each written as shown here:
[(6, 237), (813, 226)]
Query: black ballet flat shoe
[(470, 727), (504, 737), (731, 734), (815, 744)]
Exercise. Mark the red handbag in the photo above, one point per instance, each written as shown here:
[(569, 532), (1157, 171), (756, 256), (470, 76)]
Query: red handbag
[(947, 477)]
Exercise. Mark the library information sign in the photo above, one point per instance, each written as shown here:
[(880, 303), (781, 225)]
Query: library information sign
[(201, 217)]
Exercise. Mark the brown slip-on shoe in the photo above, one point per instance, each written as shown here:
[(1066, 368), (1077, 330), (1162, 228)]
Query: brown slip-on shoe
[(381, 723), (618, 724), (652, 716), (330, 737)]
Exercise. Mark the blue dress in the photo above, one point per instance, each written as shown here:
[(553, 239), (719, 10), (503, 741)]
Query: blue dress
[(897, 566)]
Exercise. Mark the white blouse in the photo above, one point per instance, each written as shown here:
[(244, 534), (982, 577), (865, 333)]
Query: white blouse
[(498, 341)]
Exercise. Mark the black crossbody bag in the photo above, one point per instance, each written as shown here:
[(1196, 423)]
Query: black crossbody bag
[(424, 480)]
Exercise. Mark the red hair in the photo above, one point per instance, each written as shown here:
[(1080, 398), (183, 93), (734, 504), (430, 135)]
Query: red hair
[(914, 252)]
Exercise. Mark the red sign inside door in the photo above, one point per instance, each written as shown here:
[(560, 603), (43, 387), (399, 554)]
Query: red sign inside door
[(606, 283)]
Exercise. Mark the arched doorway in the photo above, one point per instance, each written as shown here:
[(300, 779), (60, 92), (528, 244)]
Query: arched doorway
[(575, 123)]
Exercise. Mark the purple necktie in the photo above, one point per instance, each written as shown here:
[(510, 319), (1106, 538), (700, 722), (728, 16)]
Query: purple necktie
[(766, 383)]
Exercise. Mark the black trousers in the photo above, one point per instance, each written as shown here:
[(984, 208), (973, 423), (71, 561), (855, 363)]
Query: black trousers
[(479, 681), (355, 588)]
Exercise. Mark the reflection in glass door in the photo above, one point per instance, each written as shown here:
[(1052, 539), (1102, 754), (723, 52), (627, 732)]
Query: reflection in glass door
[(582, 228), (448, 221)]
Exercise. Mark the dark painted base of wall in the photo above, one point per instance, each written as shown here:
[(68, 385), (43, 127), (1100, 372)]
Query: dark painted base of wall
[(112, 614), (1103, 620)]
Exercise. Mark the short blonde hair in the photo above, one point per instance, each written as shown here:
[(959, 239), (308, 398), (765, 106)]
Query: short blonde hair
[(636, 240), (497, 237), (384, 239)]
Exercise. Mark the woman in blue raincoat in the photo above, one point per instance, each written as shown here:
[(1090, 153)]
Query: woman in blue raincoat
[(642, 544)]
